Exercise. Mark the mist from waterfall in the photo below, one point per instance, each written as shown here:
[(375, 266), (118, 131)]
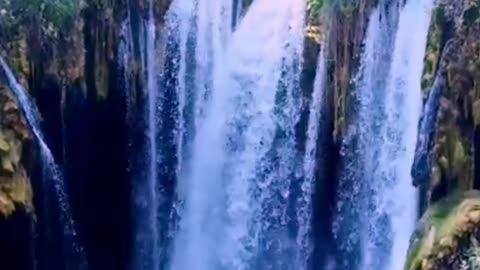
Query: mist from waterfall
[(378, 153), (73, 253), (152, 91)]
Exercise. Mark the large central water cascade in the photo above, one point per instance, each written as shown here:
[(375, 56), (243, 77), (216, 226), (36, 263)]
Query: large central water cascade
[(237, 182), (244, 185)]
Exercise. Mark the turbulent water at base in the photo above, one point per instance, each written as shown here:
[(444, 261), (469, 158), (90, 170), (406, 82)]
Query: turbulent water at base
[(379, 153), (74, 257)]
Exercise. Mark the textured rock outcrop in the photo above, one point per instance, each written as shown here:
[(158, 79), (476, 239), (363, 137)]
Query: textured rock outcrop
[(15, 139), (443, 231), (15, 188), (451, 148), (448, 154)]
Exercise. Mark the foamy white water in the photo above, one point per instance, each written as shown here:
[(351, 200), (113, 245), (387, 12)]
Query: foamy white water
[(305, 204), (404, 104), (247, 92), (198, 176), (389, 93)]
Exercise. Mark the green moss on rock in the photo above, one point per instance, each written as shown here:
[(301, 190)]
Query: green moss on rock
[(15, 188), (440, 229), (434, 47)]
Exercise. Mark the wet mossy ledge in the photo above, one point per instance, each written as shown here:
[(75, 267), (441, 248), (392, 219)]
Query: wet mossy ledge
[(445, 233)]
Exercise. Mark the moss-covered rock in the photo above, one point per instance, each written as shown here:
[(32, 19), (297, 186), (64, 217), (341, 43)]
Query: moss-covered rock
[(346, 36), (444, 225), (435, 43), (452, 53), (15, 188)]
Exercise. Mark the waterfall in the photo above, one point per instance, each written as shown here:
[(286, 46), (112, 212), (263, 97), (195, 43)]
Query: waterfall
[(74, 254), (148, 250), (421, 169), (236, 183), (305, 206), (201, 25), (357, 222), (263, 164), (404, 103), (180, 25), (229, 146), (212, 33), (152, 93), (379, 151), (125, 58)]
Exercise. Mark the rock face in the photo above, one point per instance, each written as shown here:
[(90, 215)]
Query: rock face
[(452, 61), (68, 61), (448, 153), (15, 189), (444, 231), (15, 140), (17, 154)]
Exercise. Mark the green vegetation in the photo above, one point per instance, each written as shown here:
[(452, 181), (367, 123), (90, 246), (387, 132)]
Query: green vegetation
[(344, 6), (442, 226), (51, 15)]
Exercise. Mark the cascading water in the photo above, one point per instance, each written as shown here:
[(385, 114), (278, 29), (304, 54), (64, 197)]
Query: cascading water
[(212, 34), (305, 206), (125, 58), (231, 143), (209, 36), (262, 161), (404, 103), (148, 195), (356, 223), (152, 92), (384, 139), (180, 19), (236, 187), (73, 251)]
